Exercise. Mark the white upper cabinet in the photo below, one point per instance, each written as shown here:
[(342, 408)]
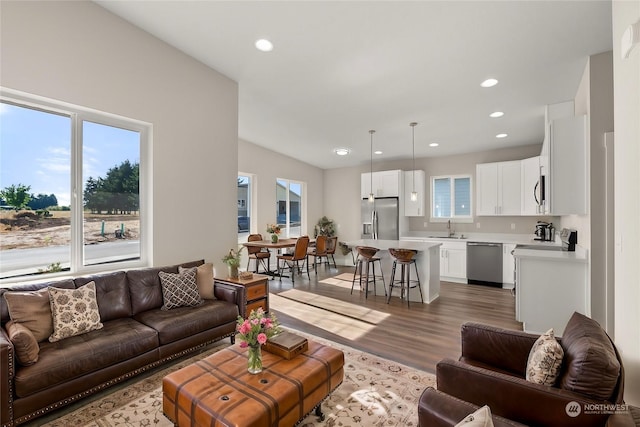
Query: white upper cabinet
[(385, 184), (414, 208), (531, 191), (498, 189), (568, 166)]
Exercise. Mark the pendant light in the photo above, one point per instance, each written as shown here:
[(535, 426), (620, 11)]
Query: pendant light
[(371, 196), (414, 194)]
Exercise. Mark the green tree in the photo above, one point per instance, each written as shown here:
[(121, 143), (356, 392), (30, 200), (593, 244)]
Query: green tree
[(16, 195), (117, 192), (42, 201)]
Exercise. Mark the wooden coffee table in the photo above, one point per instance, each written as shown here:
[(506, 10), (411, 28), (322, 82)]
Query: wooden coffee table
[(218, 390)]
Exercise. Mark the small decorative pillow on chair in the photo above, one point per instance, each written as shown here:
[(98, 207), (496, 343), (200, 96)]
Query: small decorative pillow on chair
[(180, 290), (545, 360), (480, 418)]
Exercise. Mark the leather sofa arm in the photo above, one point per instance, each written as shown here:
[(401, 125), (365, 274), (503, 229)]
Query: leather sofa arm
[(437, 409), (7, 360), (621, 420), (504, 349), (516, 398), (230, 292)]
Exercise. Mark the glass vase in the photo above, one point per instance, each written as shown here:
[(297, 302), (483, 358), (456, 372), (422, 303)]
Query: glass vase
[(254, 362), (233, 271), (274, 238)]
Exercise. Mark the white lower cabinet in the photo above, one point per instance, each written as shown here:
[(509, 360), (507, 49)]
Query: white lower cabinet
[(453, 261), (549, 290)]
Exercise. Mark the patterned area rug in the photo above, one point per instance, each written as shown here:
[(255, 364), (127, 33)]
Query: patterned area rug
[(375, 392)]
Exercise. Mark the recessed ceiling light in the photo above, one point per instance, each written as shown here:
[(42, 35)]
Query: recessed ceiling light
[(489, 83), (496, 114), (341, 151), (433, 144), (377, 152), (501, 135), (264, 45)]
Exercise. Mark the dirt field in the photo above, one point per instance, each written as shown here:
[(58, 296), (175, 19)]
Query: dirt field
[(19, 230)]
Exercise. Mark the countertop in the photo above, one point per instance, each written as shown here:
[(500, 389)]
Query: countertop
[(417, 245), (580, 254)]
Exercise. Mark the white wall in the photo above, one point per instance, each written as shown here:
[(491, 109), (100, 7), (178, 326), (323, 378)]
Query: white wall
[(267, 166), (594, 98), (626, 81), (79, 53)]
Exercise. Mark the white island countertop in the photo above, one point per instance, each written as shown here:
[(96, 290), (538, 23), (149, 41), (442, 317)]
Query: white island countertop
[(387, 244)]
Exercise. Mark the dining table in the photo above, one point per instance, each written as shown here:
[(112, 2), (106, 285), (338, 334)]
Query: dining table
[(278, 246)]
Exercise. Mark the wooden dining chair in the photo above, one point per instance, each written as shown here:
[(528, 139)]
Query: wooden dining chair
[(292, 260), (259, 255), (332, 244), (319, 251)]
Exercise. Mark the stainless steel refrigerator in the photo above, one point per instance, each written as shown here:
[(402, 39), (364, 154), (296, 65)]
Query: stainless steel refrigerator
[(380, 218)]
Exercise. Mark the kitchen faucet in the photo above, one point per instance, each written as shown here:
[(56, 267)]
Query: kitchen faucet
[(451, 231)]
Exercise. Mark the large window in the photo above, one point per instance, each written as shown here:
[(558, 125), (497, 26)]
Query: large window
[(70, 183), (451, 197), (289, 201)]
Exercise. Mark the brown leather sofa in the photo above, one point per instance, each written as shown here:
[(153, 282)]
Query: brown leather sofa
[(491, 371), (136, 336)]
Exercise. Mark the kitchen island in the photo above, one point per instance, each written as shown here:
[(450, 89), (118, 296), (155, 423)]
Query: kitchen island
[(427, 261)]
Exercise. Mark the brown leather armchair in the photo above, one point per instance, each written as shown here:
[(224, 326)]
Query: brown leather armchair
[(491, 371)]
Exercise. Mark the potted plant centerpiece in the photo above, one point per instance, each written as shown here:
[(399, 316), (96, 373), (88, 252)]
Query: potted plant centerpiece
[(232, 259), (274, 230)]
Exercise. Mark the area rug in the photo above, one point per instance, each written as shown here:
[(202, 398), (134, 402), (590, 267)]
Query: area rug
[(375, 392)]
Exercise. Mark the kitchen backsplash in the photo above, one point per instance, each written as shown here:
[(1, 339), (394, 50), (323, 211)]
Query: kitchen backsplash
[(487, 224)]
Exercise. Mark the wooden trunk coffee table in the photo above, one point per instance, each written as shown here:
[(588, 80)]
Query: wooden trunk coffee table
[(218, 390)]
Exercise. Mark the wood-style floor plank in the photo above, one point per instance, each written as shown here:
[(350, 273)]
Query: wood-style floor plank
[(418, 336)]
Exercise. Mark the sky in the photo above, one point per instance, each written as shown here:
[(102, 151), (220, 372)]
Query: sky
[(35, 150)]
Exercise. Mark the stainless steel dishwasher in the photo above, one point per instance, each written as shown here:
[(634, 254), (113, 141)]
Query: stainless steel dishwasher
[(484, 263)]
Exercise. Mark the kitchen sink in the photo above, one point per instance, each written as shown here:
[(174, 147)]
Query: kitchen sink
[(448, 237)]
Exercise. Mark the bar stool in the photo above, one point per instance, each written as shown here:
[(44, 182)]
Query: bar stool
[(404, 257), (366, 258)]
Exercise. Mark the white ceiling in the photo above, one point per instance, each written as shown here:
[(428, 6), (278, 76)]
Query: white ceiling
[(341, 68)]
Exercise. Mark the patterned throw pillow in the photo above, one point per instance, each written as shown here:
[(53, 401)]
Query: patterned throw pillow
[(24, 343), (179, 290), (75, 311), (545, 359), (204, 279), (480, 418)]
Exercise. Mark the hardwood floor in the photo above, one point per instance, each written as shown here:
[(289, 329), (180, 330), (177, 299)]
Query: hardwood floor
[(418, 336)]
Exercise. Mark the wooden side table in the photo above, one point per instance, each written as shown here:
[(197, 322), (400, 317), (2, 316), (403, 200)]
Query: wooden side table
[(256, 292)]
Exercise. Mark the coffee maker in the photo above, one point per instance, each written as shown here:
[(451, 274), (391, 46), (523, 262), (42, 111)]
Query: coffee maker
[(545, 231)]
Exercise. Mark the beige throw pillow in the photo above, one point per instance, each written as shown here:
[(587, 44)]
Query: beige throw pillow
[(75, 311), (545, 360), (24, 343), (33, 310), (179, 290), (204, 279), (480, 418)]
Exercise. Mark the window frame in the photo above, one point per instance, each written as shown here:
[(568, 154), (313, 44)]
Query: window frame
[(453, 217), (303, 205), (77, 116)]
